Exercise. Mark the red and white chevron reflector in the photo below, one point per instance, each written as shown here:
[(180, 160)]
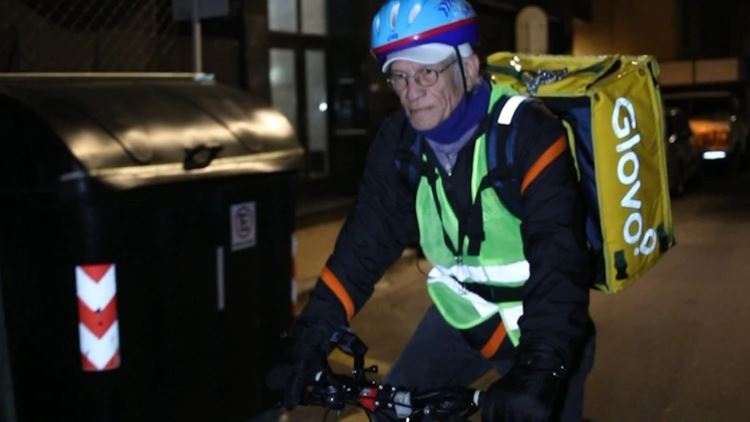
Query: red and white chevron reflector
[(97, 315)]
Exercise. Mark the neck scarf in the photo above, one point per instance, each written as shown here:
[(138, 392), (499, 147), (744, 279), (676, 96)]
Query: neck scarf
[(468, 113)]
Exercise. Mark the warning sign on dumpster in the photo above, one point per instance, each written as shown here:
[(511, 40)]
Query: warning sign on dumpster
[(243, 222)]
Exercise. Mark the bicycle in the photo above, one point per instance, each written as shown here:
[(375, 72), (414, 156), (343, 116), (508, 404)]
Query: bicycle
[(336, 391)]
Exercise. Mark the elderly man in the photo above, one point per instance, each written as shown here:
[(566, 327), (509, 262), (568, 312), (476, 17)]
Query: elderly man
[(510, 273)]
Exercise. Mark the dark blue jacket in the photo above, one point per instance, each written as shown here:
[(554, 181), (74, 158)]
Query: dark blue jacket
[(383, 222)]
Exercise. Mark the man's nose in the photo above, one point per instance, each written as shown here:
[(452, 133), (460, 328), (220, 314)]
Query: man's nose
[(414, 90)]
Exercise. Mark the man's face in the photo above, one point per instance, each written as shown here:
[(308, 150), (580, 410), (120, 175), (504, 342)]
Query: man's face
[(427, 107)]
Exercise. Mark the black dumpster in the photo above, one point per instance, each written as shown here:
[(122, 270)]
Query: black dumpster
[(145, 249)]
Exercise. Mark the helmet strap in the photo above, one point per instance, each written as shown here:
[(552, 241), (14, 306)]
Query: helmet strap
[(461, 67)]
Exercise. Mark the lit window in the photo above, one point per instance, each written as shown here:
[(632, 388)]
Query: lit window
[(282, 15), (314, 17)]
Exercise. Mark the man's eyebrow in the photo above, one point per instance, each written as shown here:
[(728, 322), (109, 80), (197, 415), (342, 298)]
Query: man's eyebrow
[(421, 67)]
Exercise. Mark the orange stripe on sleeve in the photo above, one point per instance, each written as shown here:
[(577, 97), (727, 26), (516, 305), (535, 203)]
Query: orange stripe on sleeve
[(493, 344), (543, 161), (333, 283)]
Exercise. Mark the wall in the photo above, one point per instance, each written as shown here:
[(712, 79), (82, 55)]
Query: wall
[(629, 27), (256, 45)]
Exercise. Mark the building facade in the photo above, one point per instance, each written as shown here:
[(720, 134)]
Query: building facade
[(310, 58)]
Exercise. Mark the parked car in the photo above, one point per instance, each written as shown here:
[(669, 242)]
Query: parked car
[(719, 123), (683, 156)]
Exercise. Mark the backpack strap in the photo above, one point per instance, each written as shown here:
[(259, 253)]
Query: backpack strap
[(500, 144)]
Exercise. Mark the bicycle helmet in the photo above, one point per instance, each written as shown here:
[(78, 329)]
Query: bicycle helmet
[(423, 31)]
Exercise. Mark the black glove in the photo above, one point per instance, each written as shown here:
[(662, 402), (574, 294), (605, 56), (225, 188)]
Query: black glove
[(528, 392), (305, 354)]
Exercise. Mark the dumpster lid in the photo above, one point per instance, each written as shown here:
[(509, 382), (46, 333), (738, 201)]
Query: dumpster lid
[(127, 132)]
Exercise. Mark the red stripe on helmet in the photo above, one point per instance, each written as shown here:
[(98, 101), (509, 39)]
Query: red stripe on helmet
[(384, 49)]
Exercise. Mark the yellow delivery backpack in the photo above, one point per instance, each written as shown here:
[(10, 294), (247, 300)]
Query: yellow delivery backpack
[(612, 110)]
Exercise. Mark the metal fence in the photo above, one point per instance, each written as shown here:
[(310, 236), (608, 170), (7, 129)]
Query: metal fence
[(90, 36)]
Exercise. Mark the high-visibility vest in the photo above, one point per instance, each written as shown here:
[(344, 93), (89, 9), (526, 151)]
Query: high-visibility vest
[(458, 275)]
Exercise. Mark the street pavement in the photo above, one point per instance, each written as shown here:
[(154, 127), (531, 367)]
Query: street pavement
[(674, 347)]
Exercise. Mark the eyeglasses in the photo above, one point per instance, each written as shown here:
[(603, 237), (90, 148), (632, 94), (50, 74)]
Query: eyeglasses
[(424, 77)]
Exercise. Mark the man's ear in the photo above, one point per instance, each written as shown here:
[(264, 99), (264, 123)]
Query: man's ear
[(471, 67)]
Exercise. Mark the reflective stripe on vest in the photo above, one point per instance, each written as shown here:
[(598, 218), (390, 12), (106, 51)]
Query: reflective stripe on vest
[(500, 261), (465, 308), (513, 274)]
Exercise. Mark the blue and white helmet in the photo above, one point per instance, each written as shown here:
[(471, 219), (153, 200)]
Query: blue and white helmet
[(437, 27)]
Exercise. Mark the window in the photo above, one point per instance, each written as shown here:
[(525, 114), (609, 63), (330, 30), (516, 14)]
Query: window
[(317, 109), (284, 16), (284, 83), (299, 86), (314, 17)]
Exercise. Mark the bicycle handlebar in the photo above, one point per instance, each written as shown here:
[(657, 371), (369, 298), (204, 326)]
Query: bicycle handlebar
[(336, 391)]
